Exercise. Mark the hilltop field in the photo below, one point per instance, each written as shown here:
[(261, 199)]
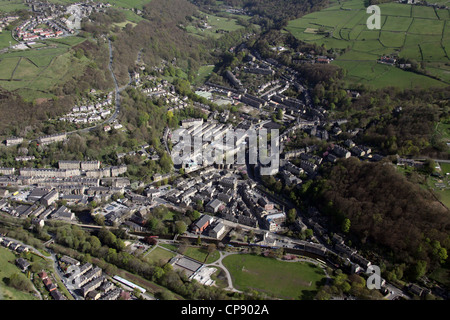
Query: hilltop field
[(412, 32)]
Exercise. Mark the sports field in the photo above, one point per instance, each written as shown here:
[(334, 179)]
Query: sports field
[(415, 32), (285, 280)]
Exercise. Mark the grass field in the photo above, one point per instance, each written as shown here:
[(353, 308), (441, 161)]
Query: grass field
[(35, 72), (8, 6), (419, 33), (216, 24), (201, 254), (286, 280), (159, 254), (5, 39), (8, 268), (203, 74)]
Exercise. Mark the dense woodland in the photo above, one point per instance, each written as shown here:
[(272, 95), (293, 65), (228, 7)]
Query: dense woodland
[(159, 37), (278, 12), (386, 212), (398, 121)]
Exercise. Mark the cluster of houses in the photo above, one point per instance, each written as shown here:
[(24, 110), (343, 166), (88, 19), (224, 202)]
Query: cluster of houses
[(91, 113), (6, 21), (14, 246), (387, 60), (50, 286), (24, 265), (88, 280), (30, 31), (74, 182)]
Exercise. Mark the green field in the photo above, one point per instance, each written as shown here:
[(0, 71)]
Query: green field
[(159, 255), (8, 6), (201, 254), (8, 268), (419, 33), (285, 280), (35, 72), (203, 74), (216, 25), (5, 39)]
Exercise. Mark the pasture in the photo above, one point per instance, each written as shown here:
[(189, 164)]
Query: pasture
[(35, 72), (407, 31)]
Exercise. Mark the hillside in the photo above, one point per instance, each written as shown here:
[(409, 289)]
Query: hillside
[(417, 35), (386, 211)]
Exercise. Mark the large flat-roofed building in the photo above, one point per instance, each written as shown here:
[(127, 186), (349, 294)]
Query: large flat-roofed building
[(187, 265)]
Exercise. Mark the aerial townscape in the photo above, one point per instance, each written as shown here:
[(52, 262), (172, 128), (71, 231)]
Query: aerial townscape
[(227, 150)]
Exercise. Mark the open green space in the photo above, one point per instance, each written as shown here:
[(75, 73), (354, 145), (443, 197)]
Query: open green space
[(215, 25), (35, 72), (203, 74), (286, 280), (412, 32), (7, 269), (201, 254), (159, 255), (12, 5), (6, 39)]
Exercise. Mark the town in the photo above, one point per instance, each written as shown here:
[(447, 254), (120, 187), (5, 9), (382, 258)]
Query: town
[(230, 197)]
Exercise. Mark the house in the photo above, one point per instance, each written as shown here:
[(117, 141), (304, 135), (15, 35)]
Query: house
[(49, 284), (341, 152), (56, 295), (214, 206), (7, 171), (263, 202), (357, 151), (153, 193), (22, 264), (70, 260), (201, 224)]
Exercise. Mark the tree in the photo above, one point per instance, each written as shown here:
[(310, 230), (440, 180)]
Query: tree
[(180, 227), (20, 282), (346, 225), (211, 248), (292, 214), (418, 270)]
